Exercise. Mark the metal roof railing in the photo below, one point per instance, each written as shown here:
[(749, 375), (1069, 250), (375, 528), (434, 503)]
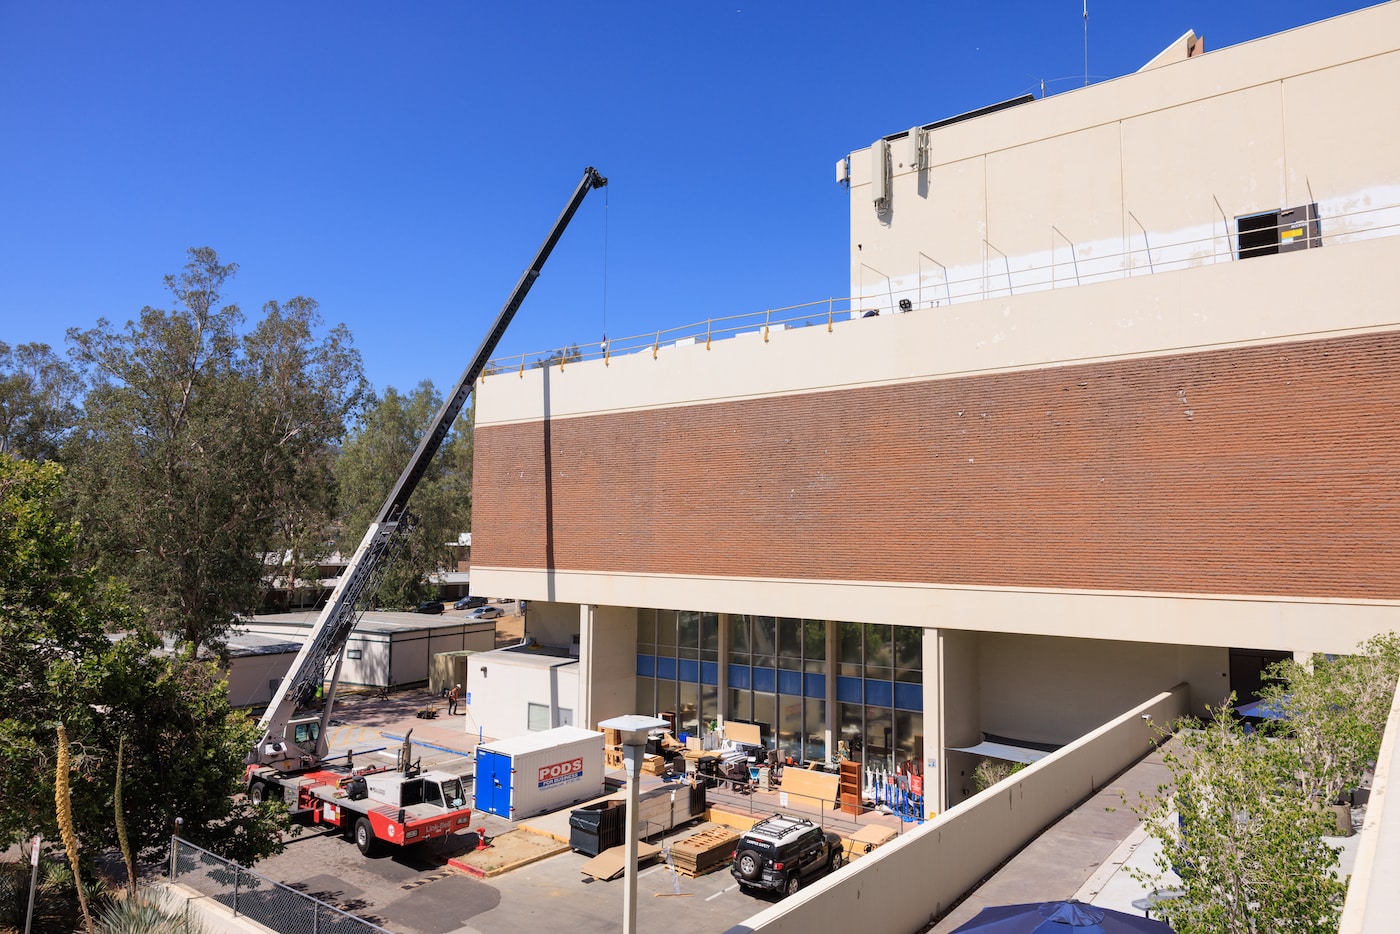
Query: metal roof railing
[(1017, 275)]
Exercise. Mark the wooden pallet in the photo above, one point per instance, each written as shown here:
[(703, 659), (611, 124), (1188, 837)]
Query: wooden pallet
[(704, 852)]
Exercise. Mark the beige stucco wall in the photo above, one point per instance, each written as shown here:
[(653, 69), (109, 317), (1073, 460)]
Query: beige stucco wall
[(1084, 182), (607, 669), (501, 694)]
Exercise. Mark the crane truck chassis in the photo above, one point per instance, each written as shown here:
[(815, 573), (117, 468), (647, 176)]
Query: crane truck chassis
[(400, 806)]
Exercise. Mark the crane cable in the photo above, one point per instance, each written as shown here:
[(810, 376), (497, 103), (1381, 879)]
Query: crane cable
[(605, 276)]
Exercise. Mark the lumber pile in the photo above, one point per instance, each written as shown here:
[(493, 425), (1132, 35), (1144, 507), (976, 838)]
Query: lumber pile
[(704, 852)]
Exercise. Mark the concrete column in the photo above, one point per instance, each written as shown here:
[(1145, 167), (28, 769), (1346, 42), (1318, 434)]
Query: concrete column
[(833, 647), (587, 634), (935, 778)]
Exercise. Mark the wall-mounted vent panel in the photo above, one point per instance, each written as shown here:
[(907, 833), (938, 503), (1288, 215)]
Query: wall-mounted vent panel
[(1281, 231)]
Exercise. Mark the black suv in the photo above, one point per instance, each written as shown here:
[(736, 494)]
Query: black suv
[(780, 853)]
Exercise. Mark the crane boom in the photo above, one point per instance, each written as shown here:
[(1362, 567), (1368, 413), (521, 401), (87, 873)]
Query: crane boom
[(321, 654)]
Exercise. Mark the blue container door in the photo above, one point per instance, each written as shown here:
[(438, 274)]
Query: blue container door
[(493, 783)]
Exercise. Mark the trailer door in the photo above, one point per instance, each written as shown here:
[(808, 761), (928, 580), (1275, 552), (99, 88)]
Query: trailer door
[(493, 782)]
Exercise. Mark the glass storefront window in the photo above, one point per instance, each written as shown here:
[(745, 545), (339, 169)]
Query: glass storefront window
[(814, 740), (765, 712), (666, 632), (850, 730), (908, 653), (879, 737), (688, 713), (688, 634), (709, 637), (765, 637), (709, 706), (646, 695), (852, 651), (790, 644), (909, 730), (879, 655), (814, 644), (789, 726), (739, 651), (646, 632), (740, 704)]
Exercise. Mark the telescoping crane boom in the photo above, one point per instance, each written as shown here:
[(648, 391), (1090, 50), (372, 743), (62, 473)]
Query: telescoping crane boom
[(292, 743)]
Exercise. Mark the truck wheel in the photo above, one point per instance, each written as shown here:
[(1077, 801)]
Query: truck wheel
[(836, 862), (364, 837), (749, 864), (794, 883), (257, 792)]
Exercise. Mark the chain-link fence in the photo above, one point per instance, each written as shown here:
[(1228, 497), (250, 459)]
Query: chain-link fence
[(271, 904)]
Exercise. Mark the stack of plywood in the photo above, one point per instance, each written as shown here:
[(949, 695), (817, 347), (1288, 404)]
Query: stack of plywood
[(613, 757), (704, 852)]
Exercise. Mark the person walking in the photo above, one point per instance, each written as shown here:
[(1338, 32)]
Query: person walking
[(452, 696)]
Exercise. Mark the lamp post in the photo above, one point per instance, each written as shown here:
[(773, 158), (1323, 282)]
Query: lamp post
[(634, 730)]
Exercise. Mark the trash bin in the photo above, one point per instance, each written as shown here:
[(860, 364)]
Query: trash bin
[(597, 827)]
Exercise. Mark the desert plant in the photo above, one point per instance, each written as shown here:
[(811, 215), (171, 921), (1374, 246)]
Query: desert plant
[(145, 913)]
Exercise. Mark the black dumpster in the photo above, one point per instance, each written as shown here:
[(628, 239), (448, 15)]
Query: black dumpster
[(597, 827)]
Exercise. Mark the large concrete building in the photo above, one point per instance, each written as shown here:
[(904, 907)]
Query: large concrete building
[(1128, 416)]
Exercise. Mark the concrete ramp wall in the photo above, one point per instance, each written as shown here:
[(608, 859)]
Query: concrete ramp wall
[(905, 884)]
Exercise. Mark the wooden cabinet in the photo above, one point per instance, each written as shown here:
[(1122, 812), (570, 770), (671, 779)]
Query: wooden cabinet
[(850, 786)]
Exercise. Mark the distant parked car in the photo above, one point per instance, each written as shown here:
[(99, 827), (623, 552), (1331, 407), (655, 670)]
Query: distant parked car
[(469, 603), (429, 606), (486, 612)]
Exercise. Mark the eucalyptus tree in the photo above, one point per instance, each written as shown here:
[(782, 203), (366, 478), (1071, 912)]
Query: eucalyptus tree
[(39, 393), (203, 460), (371, 460)]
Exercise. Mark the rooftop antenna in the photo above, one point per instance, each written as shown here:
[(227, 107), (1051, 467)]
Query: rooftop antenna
[(1086, 43)]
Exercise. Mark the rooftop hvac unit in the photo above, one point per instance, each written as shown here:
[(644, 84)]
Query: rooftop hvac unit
[(880, 174)]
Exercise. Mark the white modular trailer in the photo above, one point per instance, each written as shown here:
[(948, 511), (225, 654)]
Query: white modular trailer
[(538, 772)]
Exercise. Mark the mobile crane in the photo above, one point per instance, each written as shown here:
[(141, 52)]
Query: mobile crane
[(404, 805)]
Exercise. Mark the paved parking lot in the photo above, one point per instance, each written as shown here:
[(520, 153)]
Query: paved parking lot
[(414, 892)]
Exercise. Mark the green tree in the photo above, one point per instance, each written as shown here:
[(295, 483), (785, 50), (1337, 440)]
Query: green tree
[(568, 354), (1334, 712), (204, 456), (1247, 849), (370, 462), (38, 400), (184, 745)]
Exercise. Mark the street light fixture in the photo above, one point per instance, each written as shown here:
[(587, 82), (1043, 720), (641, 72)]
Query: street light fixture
[(633, 731)]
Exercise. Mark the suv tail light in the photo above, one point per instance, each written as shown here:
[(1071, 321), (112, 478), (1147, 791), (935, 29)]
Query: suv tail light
[(778, 867)]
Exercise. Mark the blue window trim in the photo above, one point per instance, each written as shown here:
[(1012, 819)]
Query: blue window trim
[(765, 679), (908, 695), (878, 693), (740, 677), (665, 668), (709, 672), (848, 690), (813, 685), (688, 669), (646, 666), (790, 683)]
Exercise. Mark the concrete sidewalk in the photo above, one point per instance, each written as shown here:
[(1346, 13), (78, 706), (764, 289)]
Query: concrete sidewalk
[(1058, 863)]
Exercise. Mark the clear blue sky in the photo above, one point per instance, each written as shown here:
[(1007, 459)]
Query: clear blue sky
[(400, 163)]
